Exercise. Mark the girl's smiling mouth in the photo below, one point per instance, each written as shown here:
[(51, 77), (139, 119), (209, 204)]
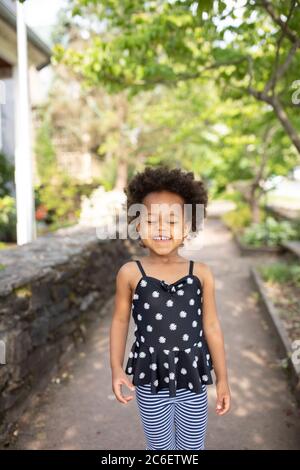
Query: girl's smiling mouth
[(161, 238)]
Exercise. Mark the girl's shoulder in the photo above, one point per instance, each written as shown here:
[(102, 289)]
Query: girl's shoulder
[(129, 268), (128, 265), (203, 271)]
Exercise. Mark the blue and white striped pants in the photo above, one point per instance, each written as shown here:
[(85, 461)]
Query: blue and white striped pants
[(173, 422)]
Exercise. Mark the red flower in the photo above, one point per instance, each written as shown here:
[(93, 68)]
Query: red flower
[(41, 212)]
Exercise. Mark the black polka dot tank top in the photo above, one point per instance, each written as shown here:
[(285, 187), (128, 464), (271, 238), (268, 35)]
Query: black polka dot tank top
[(170, 350)]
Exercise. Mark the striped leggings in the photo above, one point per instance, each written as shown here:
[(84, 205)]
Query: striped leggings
[(173, 422)]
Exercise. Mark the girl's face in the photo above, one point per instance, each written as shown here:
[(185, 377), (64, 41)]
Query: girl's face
[(162, 226)]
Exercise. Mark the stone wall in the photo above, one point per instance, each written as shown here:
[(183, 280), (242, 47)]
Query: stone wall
[(51, 290)]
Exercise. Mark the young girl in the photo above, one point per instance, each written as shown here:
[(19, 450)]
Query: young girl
[(178, 337)]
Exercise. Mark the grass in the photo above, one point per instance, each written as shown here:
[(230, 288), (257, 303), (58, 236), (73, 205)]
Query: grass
[(282, 282), (279, 272)]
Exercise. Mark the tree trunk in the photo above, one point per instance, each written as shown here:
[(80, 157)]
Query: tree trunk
[(254, 203), (280, 113), (286, 123)]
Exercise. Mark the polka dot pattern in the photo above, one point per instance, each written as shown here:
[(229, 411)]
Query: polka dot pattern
[(170, 349)]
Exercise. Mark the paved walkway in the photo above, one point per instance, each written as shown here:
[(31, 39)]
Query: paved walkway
[(81, 412)]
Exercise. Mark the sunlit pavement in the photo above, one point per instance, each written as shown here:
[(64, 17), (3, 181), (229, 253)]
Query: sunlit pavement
[(80, 412)]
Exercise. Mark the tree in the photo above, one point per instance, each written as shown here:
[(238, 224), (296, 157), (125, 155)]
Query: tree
[(250, 48)]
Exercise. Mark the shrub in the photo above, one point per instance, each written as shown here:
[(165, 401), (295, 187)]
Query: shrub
[(7, 219), (238, 218), (270, 233), (6, 176), (281, 272), (59, 199)]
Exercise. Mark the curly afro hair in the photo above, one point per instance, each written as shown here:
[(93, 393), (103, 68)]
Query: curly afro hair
[(174, 180)]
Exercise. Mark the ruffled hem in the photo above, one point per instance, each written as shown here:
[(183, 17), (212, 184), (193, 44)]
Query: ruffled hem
[(173, 369)]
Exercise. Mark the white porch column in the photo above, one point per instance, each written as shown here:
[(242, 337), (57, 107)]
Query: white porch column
[(26, 231)]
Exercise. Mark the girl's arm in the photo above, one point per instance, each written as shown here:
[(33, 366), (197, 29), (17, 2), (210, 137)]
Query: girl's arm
[(215, 340), (118, 334)]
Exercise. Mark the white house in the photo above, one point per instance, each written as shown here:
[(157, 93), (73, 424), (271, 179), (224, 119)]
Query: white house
[(38, 57)]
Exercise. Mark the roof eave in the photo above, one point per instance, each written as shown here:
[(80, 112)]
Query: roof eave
[(9, 16)]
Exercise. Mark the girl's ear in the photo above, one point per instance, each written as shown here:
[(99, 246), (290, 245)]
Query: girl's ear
[(141, 243), (138, 229)]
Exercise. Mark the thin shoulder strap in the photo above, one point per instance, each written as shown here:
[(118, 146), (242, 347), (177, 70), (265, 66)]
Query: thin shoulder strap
[(140, 266), (191, 267)]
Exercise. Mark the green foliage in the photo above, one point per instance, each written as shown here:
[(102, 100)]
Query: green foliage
[(269, 233), (280, 272), (296, 225), (239, 218), (7, 219), (61, 198), (144, 44), (191, 64), (58, 196), (44, 149), (6, 175), (150, 42)]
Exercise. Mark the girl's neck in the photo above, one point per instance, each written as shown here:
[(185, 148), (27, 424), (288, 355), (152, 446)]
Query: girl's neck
[(172, 257)]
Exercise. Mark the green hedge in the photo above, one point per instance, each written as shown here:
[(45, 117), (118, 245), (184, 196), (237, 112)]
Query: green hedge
[(7, 219), (269, 233)]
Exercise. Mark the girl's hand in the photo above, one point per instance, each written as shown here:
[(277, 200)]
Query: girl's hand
[(119, 378), (223, 398)]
